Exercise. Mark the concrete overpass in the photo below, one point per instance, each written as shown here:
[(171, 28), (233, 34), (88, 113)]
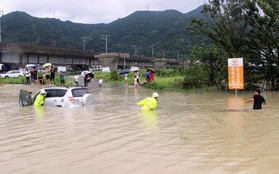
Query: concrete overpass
[(20, 55)]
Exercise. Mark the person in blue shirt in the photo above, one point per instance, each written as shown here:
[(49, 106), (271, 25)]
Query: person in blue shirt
[(62, 79)]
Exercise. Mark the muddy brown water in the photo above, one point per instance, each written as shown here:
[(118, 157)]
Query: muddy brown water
[(197, 132)]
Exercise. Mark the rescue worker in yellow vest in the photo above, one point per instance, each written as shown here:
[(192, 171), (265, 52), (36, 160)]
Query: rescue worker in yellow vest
[(40, 99), (149, 103)]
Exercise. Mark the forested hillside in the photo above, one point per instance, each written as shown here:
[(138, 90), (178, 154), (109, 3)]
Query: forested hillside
[(165, 31)]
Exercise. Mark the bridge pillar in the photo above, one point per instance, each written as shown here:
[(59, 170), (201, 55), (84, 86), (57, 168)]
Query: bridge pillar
[(110, 59), (160, 63)]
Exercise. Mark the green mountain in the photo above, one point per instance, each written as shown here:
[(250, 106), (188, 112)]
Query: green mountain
[(137, 34)]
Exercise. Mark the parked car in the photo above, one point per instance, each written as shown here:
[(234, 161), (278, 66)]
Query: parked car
[(12, 73), (59, 97)]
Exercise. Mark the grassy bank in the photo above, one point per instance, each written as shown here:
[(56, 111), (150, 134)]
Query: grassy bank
[(168, 83), (19, 80), (22, 80), (164, 79)]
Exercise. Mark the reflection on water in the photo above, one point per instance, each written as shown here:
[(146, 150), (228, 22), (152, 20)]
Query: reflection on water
[(40, 112), (149, 118), (188, 133)]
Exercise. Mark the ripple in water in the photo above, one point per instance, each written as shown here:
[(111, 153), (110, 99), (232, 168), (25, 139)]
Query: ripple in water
[(189, 132)]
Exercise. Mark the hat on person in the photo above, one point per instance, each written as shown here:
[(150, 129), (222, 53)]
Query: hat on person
[(43, 91), (155, 94)]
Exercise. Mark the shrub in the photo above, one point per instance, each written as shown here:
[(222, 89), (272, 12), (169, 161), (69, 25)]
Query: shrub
[(195, 77), (155, 86), (114, 75)]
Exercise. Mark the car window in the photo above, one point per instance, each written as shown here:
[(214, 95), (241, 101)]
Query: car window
[(55, 92), (79, 92)]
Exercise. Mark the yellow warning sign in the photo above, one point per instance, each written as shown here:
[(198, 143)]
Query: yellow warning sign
[(236, 73)]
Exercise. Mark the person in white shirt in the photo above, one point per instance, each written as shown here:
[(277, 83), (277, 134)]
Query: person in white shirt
[(100, 81), (27, 76), (76, 79)]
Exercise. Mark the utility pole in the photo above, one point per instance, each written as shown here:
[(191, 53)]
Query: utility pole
[(106, 43), (152, 50), (177, 55), (105, 36), (124, 62), (2, 13), (84, 40), (135, 50)]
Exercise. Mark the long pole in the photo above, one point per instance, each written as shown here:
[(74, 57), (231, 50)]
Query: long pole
[(83, 41), (1, 11), (178, 55), (106, 43), (152, 50), (105, 36), (124, 61)]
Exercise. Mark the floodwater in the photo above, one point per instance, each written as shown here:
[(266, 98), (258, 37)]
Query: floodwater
[(190, 132)]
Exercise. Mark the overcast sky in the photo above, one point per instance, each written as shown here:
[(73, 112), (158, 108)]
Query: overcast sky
[(93, 11)]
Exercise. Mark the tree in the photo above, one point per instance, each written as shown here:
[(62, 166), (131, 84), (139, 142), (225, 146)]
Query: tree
[(211, 58), (225, 26), (244, 28), (263, 16)]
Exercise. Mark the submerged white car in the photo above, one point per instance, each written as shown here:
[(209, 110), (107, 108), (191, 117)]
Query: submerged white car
[(59, 97)]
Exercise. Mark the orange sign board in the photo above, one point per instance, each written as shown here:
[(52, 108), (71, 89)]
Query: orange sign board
[(236, 75)]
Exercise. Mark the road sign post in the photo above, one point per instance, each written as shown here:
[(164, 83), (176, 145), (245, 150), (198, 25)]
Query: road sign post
[(236, 73)]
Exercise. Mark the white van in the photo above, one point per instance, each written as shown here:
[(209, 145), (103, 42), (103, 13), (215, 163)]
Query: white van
[(61, 68)]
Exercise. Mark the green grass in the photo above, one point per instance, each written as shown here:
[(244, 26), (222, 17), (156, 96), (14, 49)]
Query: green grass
[(22, 80), (167, 80), (166, 83), (18, 80)]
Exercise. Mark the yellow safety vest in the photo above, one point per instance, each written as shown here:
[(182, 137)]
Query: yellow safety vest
[(148, 104), (39, 100)]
